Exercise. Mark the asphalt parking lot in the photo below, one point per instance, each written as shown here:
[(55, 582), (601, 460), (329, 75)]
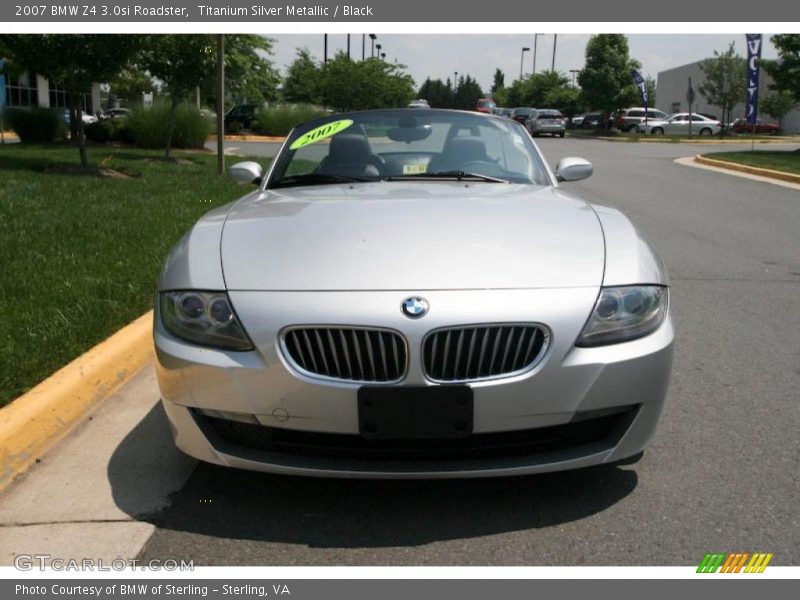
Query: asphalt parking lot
[(722, 474)]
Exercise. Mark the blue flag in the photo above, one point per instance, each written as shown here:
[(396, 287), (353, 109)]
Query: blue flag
[(641, 84), (754, 43)]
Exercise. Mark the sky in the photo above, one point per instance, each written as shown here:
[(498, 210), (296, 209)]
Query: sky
[(440, 55)]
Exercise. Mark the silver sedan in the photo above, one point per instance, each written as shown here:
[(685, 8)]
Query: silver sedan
[(681, 123), (412, 294)]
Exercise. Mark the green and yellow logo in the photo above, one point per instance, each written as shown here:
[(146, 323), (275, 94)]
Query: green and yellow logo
[(734, 562)]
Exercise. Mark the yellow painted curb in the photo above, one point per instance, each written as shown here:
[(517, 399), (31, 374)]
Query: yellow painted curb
[(39, 418), (249, 138), (724, 164)]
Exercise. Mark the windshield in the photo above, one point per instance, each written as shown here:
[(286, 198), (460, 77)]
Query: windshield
[(407, 144)]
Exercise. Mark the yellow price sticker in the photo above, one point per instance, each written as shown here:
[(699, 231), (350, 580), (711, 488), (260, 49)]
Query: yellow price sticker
[(320, 133)]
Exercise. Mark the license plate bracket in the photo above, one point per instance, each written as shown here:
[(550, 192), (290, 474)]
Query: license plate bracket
[(415, 412)]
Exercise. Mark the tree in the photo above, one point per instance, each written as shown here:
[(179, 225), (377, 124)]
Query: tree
[(302, 79), (565, 99), (75, 62), (467, 93), (651, 90), (606, 76), (437, 93), (785, 71), (250, 76), (726, 81), (532, 90), (345, 84), (130, 83), (499, 81), (182, 62), (778, 104)]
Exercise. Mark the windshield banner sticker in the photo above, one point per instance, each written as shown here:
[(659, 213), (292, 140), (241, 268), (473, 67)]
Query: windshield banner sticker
[(320, 133)]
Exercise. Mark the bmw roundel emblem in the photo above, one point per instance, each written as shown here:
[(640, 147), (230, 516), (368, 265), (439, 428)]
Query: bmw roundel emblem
[(415, 307)]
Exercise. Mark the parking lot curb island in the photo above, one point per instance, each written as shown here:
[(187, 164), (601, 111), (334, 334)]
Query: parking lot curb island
[(35, 421), (724, 164)]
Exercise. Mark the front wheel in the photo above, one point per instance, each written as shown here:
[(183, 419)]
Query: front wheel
[(705, 131), (657, 131)]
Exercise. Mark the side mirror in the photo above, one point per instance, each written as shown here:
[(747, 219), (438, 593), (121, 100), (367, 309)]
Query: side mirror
[(573, 168), (246, 172)]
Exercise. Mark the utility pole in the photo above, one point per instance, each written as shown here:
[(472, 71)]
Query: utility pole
[(522, 60), (555, 37), (220, 104), (348, 45), (574, 71), (325, 51), (363, 46), (535, 40)]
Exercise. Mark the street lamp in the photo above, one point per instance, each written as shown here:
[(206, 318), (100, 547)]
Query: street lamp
[(455, 80), (555, 37), (522, 60), (363, 46), (535, 39), (383, 56), (372, 36), (378, 48), (574, 71)]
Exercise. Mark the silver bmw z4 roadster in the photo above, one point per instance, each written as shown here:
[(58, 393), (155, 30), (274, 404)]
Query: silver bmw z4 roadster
[(411, 294)]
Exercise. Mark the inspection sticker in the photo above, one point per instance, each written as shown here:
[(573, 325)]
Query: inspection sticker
[(414, 169), (320, 133)]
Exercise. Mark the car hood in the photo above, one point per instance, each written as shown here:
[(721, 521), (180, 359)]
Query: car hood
[(412, 236)]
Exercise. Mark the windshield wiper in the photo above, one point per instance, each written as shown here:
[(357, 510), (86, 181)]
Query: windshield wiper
[(455, 174), (316, 179)]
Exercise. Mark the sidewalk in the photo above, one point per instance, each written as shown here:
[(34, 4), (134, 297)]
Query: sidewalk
[(87, 495)]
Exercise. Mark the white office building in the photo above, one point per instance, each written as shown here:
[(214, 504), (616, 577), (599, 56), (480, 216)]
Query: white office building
[(672, 85)]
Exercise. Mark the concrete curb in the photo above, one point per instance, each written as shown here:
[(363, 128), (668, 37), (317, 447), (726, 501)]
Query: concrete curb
[(34, 422), (724, 164)]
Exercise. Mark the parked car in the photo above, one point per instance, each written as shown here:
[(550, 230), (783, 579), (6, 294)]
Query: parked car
[(629, 118), (242, 114), (85, 117), (762, 127), (418, 103), (485, 105), (502, 112), (547, 120), (521, 114), (115, 113), (364, 313), (575, 122), (592, 121), (679, 123)]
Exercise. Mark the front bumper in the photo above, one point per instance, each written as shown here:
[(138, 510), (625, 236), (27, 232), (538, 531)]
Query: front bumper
[(589, 405)]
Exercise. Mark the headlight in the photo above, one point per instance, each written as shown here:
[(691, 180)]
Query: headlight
[(204, 318), (626, 313)]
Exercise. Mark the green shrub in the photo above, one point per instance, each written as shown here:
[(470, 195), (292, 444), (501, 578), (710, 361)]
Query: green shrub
[(233, 127), (279, 120), (36, 125), (109, 130), (149, 126)]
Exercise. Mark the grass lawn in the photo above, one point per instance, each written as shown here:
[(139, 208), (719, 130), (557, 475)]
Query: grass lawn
[(779, 160), (79, 254)]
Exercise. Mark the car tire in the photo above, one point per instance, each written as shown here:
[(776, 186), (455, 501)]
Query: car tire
[(705, 131), (657, 131)]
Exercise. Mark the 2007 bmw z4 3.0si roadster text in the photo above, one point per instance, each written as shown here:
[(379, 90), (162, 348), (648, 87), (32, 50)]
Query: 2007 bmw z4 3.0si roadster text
[(411, 294)]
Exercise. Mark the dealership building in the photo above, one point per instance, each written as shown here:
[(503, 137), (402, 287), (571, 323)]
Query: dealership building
[(672, 85), (27, 89)]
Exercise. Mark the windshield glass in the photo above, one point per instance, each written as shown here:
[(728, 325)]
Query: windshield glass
[(408, 144)]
